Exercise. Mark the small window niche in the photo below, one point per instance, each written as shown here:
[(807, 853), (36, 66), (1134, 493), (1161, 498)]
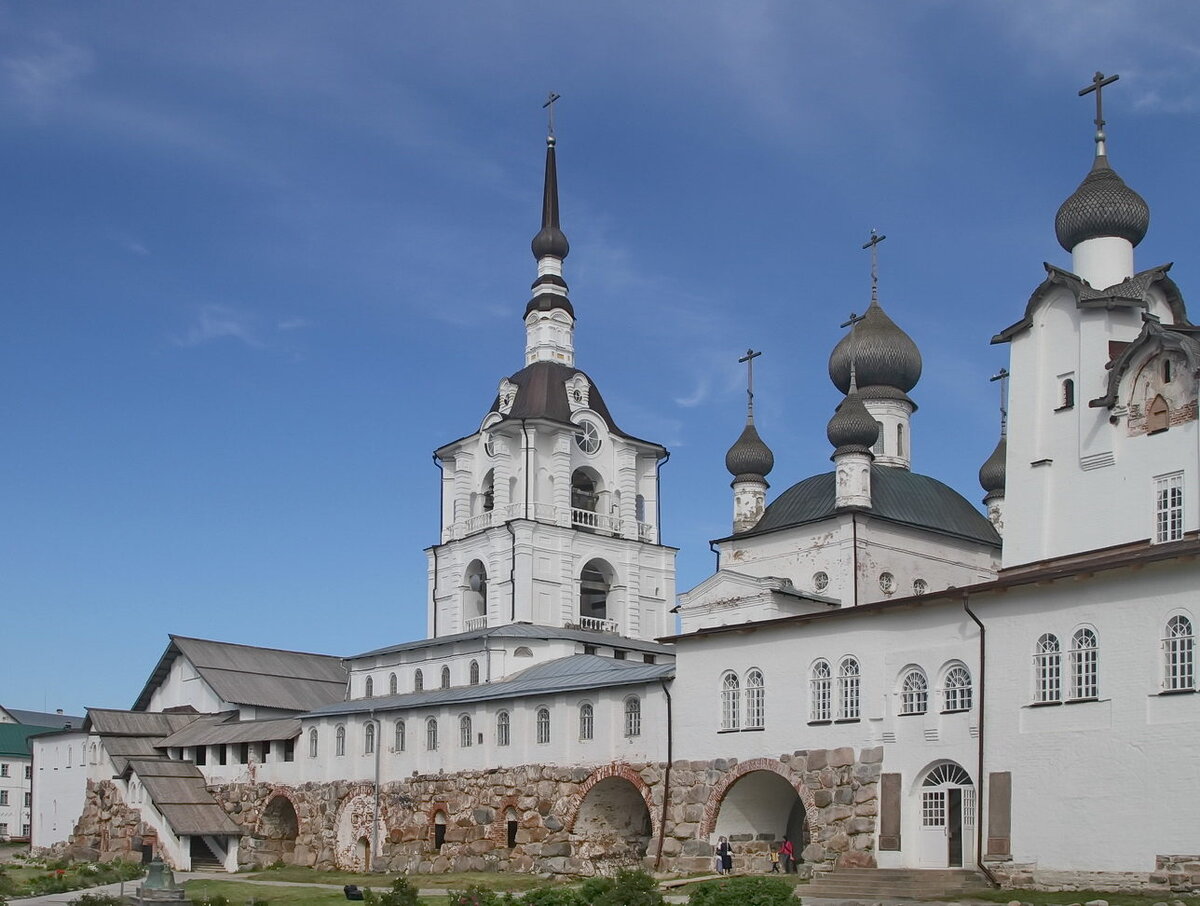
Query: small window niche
[(1066, 395), (1158, 415)]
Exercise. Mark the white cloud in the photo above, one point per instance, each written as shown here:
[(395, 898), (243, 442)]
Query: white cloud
[(38, 77), (219, 322)]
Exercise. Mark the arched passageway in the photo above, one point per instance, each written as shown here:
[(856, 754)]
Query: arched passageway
[(277, 832), (612, 828), (756, 813)]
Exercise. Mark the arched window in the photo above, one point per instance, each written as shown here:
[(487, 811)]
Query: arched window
[(1166, 371), (312, 743), (1179, 654), (756, 712), (1067, 395), (543, 726), (595, 580), (586, 721), (369, 688), (502, 728), (474, 673), (914, 692), (900, 440), (445, 677), (400, 734), (1085, 666), (1168, 508), (418, 681), (730, 692), (431, 740), (523, 651), (584, 497), (820, 692), (1047, 669), (339, 741), (956, 689), (393, 685), (633, 716), (848, 689), (488, 491), (475, 596), (464, 731), (439, 830), (639, 508), (369, 739)]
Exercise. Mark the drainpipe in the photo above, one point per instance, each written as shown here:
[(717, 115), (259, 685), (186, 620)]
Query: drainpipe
[(662, 820), (987, 872), (374, 866), (512, 574), (854, 552), (712, 546), (441, 529)]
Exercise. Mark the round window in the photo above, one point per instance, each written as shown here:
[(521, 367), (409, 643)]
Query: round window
[(887, 582), (820, 581), (920, 586), (587, 438), (489, 445)]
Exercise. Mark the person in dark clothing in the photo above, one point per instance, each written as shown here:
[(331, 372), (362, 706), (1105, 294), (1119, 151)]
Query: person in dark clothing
[(725, 854)]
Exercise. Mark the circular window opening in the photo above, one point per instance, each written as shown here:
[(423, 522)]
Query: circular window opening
[(489, 445), (887, 582), (587, 438), (920, 586), (820, 581)]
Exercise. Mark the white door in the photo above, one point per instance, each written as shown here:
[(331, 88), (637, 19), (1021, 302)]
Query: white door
[(933, 849), (946, 835)]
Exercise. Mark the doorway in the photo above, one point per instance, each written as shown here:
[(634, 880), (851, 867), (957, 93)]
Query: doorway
[(947, 816)]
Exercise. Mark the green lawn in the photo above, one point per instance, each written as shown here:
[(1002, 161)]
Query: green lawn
[(458, 881), (238, 892)]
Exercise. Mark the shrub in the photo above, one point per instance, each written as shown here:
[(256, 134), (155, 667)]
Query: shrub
[(749, 891), (553, 896), (474, 895), (97, 899), (628, 888), (401, 894)]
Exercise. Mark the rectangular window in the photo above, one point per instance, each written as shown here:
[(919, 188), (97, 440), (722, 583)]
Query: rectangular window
[(25, 830), (1168, 508), (289, 750), (3, 770), (933, 808), (3, 828), (201, 754), (29, 800), (28, 772), (3, 797)]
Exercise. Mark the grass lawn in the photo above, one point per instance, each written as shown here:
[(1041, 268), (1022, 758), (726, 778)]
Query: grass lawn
[(495, 880), (237, 893), (1066, 897)]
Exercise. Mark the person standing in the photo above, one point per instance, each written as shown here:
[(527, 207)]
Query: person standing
[(787, 855), (725, 855)]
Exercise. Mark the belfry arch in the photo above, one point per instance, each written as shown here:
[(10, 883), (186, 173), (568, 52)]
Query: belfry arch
[(474, 595)]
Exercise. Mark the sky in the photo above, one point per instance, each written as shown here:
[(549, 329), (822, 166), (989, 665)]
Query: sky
[(261, 259)]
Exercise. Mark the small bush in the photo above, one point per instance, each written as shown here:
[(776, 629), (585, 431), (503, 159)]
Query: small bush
[(628, 888), (553, 896), (401, 894), (474, 895), (97, 899), (748, 891)]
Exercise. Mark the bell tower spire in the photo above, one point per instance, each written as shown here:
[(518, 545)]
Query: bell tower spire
[(549, 316)]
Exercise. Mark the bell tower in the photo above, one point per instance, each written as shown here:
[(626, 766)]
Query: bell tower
[(549, 509)]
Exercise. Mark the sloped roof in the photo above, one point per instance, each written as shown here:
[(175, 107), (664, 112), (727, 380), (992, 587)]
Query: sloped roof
[(576, 672), (897, 495), (14, 739), (178, 790), (48, 719), (1154, 336), (131, 735), (215, 732), (247, 675), (527, 631)]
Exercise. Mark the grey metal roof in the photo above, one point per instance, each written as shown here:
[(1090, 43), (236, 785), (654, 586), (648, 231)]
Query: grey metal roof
[(52, 720), (215, 732), (527, 631), (247, 675), (569, 674), (897, 495), (749, 457), (883, 355), (1182, 339), (1102, 206), (109, 722), (178, 790)]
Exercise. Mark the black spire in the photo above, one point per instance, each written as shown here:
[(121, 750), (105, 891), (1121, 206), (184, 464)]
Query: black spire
[(550, 240)]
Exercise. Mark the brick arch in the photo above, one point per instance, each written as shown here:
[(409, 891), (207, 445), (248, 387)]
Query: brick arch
[(625, 772), (499, 832), (717, 796)]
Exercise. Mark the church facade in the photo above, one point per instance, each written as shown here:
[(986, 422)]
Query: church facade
[(877, 669)]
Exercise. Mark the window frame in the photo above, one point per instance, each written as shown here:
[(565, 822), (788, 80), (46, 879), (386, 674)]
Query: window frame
[(1168, 508), (914, 691), (466, 734), (1047, 670), (1179, 654), (1084, 661), (339, 741), (756, 699), (503, 729), (587, 722), (820, 692), (633, 717), (957, 688), (431, 734), (730, 711), (849, 694), (542, 724), (400, 736)]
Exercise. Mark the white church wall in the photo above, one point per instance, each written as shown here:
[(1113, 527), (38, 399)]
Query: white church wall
[(60, 782), (1099, 785)]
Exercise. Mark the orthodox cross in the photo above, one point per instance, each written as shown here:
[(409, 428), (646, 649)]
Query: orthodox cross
[(872, 244), (549, 107), (1002, 376), (854, 319), (749, 358), (1099, 80)]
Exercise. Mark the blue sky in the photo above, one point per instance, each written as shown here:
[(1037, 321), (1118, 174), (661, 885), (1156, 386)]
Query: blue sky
[(262, 258)]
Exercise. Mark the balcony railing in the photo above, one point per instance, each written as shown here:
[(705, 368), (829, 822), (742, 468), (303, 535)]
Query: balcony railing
[(597, 624), (588, 520), (475, 623)]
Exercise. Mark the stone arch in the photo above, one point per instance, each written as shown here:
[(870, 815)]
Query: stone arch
[(612, 822), (353, 823), (277, 830), (624, 772), (504, 808), (713, 807)]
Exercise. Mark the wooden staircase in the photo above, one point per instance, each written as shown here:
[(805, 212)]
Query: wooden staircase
[(876, 884), (203, 858)]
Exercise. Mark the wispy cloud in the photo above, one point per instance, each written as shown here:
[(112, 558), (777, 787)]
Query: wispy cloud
[(38, 76), (697, 396), (219, 322)]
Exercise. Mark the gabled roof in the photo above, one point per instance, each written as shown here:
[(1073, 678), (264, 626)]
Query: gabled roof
[(1131, 293), (14, 739), (575, 673), (1154, 336), (247, 675), (136, 734), (526, 631), (222, 730), (52, 720), (179, 791), (897, 495)]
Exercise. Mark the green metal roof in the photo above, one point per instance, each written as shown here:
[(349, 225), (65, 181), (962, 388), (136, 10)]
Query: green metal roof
[(897, 495), (14, 739)]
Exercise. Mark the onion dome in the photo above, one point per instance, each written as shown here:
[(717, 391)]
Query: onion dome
[(550, 240), (991, 473), (1102, 206), (749, 459), (852, 429), (885, 357)]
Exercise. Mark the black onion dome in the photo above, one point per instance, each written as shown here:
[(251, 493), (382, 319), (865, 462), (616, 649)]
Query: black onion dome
[(1102, 206), (749, 457), (550, 240), (991, 473), (884, 355), (852, 429)]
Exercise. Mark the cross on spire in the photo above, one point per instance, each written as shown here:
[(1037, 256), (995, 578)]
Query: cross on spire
[(1099, 80), (1002, 376), (850, 322), (749, 358), (872, 244), (549, 108)]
